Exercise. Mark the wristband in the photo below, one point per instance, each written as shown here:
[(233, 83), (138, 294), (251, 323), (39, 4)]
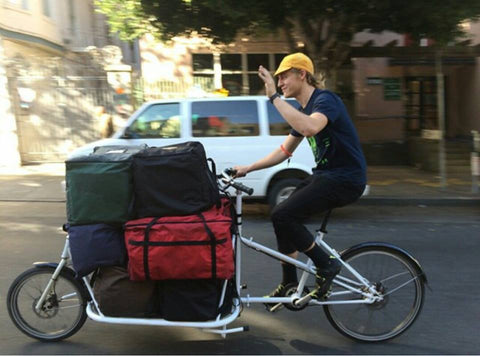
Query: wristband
[(273, 97), (285, 151)]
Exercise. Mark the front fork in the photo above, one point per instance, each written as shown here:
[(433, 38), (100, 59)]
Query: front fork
[(63, 262)]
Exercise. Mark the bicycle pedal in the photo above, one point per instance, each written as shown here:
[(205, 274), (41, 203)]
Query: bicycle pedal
[(273, 308), (313, 294)]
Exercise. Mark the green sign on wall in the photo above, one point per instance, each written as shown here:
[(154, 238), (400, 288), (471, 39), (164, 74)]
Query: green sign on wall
[(392, 89)]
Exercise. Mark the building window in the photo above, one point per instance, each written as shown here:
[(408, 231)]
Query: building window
[(231, 71), (421, 103), (278, 58), (236, 72), (233, 83), (203, 73), (23, 4), (255, 84), (47, 9), (202, 62), (257, 60), (225, 118), (231, 62), (71, 15)]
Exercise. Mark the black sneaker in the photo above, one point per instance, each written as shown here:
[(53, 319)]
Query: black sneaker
[(324, 279), (278, 292)]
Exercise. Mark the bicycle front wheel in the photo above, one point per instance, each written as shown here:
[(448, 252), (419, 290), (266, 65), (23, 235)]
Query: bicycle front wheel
[(396, 278), (61, 315)]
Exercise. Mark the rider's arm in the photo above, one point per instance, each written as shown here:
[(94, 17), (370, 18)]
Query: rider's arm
[(275, 157), (304, 124)]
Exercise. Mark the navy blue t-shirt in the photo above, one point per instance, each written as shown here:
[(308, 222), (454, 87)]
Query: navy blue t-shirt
[(336, 148)]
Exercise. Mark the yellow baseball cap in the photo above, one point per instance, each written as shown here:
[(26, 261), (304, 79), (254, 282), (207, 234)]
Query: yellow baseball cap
[(295, 60)]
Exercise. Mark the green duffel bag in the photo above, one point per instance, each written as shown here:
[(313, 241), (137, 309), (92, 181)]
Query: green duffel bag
[(100, 186)]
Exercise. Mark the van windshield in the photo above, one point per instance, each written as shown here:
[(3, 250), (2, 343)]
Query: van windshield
[(157, 121)]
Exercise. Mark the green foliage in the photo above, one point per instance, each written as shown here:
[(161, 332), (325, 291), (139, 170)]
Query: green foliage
[(125, 17), (327, 26), (438, 20)]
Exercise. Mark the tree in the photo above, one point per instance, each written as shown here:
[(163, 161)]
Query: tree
[(326, 27), (125, 18)]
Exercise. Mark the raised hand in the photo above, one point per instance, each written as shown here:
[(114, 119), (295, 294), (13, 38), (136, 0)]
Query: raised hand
[(270, 87)]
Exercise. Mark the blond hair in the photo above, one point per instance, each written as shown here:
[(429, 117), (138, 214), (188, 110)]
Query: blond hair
[(311, 80)]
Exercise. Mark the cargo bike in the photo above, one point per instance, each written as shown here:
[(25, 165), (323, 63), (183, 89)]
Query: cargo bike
[(377, 296)]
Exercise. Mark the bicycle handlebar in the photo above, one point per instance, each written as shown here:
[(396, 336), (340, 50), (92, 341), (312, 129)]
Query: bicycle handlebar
[(228, 174)]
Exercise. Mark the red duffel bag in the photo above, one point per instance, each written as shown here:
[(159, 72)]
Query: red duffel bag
[(181, 247)]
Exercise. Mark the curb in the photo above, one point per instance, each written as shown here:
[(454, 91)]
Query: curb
[(40, 200), (365, 201), (411, 201)]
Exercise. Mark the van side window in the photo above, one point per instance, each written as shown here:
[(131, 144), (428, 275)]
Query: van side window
[(277, 125), (157, 121), (225, 118)]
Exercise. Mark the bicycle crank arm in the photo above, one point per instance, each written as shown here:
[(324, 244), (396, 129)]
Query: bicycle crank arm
[(302, 301)]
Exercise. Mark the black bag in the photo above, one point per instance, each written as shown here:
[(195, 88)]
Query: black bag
[(195, 299), (97, 245), (174, 181), (119, 149), (117, 295)]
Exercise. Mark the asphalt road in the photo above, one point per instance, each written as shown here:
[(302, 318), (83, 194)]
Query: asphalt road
[(444, 239)]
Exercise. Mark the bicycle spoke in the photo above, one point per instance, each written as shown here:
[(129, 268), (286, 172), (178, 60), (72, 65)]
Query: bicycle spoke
[(394, 276), (67, 296), (399, 305), (57, 318), (31, 296), (401, 286), (70, 306)]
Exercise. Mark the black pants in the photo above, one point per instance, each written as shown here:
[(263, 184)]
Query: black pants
[(316, 194)]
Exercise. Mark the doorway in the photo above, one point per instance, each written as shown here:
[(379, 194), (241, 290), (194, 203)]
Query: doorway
[(421, 104)]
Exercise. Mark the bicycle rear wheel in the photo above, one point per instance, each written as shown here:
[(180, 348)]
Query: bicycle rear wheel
[(61, 315), (396, 277)]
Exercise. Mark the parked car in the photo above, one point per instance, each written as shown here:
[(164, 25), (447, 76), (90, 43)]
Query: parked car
[(233, 130)]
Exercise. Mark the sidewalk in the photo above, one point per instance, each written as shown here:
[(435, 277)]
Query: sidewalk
[(33, 183), (408, 185), (387, 185)]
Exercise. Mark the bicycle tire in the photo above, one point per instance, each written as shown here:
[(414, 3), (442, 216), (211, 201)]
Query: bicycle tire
[(66, 302), (380, 264)]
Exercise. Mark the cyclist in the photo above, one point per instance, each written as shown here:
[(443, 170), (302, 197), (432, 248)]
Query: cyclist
[(338, 179)]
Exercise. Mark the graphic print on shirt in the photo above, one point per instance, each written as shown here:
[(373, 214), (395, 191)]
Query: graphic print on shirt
[(319, 152)]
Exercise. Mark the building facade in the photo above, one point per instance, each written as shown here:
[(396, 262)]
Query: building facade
[(54, 76), (389, 84), (61, 72)]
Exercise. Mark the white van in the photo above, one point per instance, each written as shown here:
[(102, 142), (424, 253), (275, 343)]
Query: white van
[(233, 130)]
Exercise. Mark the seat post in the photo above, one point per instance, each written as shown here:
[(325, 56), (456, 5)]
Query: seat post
[(323, 228)]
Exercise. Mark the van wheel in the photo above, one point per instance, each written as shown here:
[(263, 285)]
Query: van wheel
[(281, 190)]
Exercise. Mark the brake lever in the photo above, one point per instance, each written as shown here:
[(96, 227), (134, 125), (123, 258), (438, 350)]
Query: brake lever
[(225, 179)]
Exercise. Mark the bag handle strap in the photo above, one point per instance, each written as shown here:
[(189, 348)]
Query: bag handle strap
[(146, 267), (213, 180), (213, 245)]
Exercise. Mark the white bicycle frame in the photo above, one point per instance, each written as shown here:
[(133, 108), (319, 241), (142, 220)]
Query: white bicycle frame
[(219, 326), (362, 286)]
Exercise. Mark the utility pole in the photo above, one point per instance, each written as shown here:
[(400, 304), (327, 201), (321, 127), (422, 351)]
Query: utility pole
[(441, 119), (475, 160)]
